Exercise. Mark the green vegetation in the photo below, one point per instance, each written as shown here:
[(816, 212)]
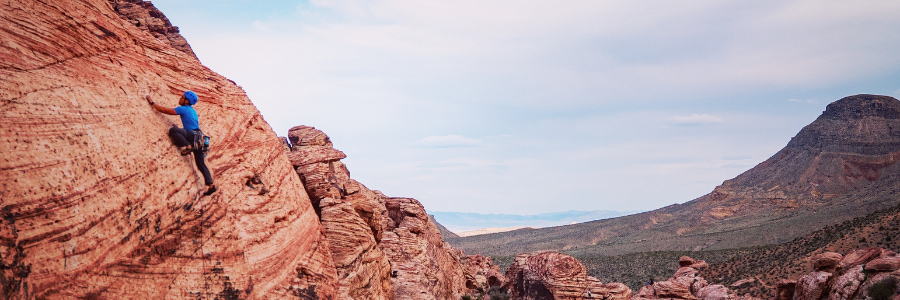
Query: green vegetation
[(884, 289)]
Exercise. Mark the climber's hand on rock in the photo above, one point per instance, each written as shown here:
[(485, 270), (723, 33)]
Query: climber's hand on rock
[(149, 101)]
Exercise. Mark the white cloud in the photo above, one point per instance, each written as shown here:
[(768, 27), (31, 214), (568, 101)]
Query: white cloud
[(447, 141), (696, 119)]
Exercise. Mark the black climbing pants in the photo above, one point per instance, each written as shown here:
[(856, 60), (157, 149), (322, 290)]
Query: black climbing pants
[(182, 138)]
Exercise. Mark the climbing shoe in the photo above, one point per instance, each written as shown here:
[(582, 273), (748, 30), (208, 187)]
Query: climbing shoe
[(211, 190)]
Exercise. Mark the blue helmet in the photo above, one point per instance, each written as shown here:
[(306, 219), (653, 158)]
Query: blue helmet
[(191, 96)]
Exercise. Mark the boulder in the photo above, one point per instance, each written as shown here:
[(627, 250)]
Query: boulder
[(812, 286), (826, 261), (861, 256), (713, 292), (886, 264), (847, 285), (685, 261)]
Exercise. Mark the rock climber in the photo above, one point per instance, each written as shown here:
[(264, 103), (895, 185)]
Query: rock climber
[(186, 138)]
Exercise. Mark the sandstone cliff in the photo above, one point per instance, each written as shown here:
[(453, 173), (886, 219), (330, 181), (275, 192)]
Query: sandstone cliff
[(97, 203), (383, 247)]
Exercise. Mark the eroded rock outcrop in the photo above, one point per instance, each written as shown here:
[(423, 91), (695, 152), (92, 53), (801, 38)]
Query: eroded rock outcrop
[(848, 277), (96, 201), (552, 275), (686, 284), (383, 247), (481, 272), (351, 214)]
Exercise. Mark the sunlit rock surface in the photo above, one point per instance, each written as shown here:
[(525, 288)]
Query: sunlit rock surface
[(96, 201)]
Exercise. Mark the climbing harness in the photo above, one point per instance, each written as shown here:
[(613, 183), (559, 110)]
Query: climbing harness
[(201, 141)]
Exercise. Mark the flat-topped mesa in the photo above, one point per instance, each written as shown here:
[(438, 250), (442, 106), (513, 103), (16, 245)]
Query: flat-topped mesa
[(861, 106), (383, 247), (861, 124), (852, 145)]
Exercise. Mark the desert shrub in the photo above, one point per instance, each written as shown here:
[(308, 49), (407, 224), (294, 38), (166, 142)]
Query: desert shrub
[(466, 297), (884, 289), (498, 293)]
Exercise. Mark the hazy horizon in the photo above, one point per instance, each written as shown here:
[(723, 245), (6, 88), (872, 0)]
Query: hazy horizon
[(524, 107)]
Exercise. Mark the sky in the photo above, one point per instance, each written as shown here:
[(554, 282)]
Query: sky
[(529, 107)]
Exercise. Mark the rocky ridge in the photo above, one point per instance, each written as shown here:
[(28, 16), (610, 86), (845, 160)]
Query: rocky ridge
[(148, 18), (383, 247)]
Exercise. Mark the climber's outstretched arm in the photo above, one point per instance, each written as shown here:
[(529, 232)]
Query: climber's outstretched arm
[(160, 108)]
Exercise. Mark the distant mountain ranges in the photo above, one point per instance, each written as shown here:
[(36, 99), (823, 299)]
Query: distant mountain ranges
[(841, 166), (459, 222)]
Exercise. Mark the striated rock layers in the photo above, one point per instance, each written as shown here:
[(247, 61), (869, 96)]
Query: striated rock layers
[(96, 202), (551, 275), (149, 19), (383, 247), (870, 273)]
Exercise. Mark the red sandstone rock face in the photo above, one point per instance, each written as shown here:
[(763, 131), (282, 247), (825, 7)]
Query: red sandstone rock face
[(351, 214), (551, 275), (388, 246), (149, 19), (427, 267), (97, 203)]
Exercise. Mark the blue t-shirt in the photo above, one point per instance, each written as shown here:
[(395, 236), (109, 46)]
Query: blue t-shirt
[(188, 117)]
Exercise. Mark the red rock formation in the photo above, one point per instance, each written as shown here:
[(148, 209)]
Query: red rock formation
[(426, 266), (351, 214), (97, 203), (845, 278), (551, 275), (383, 247), (686, 284), (481, 272), (149, 19)]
